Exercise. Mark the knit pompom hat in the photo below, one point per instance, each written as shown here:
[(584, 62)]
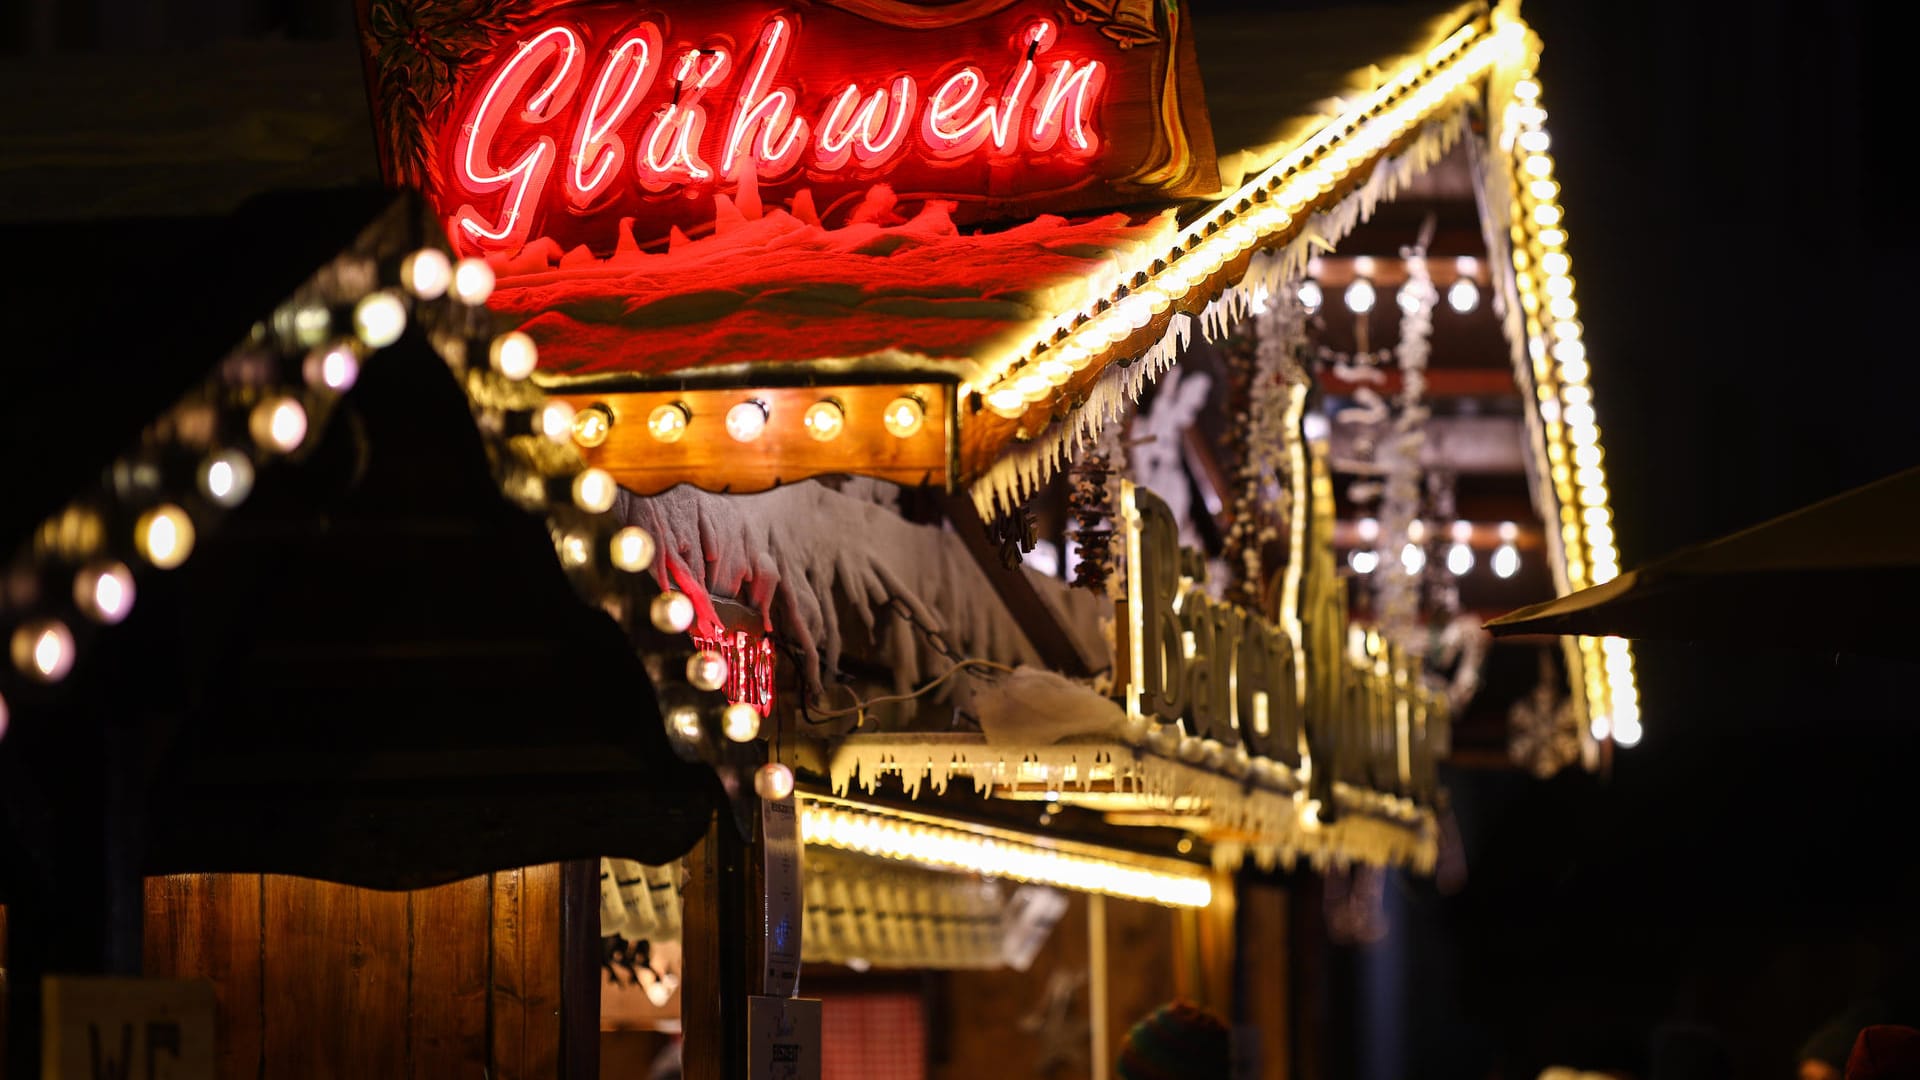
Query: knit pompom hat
[(1177, 1041)]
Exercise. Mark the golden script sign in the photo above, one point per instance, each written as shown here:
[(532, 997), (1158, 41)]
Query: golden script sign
[(1337, 706)]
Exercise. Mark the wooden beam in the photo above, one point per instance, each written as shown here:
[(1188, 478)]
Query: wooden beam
[(1059, 649), (580, 969)]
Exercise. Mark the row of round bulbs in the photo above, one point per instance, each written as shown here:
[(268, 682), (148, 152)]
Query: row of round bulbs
[(1360, 296), (104, 588), (747, 420), (1265, 206), (1460, 558)]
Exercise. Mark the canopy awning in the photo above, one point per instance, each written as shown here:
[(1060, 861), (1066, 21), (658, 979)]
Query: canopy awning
[(1843, 573)]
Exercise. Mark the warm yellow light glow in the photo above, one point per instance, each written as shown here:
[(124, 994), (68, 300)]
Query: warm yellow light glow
[(684, 722), (43, 650), (824, 420), (575, 550), (556, 420), (746, 420), (1000, 854), (227, 478), (592, 425), (103, 589), (278, 423), (773, 781), (1007, 401), (164, 536), (668, 423), (707, 670), (334, 368), (672, 612), (427, 273), (380, 318), (632, 549), (594, 491), (472, 281), (514, 355), (740, 722), (904, 416)]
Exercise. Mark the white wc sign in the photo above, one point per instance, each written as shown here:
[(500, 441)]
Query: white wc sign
[(126, 1029)]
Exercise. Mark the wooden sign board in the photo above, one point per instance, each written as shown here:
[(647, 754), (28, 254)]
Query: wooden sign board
[(611, 124), (127, 1029)]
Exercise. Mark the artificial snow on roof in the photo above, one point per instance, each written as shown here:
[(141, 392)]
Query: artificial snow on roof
[(776, 288)]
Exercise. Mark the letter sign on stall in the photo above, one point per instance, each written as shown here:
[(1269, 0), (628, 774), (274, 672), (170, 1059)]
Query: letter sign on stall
[(604, 124)]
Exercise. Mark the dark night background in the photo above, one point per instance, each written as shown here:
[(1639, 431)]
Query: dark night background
[(1751, 867)]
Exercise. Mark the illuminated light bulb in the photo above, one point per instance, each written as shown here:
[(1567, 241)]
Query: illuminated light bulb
[(1459, 560), (279, 423), (1417, 531), (1586, 456), (1007, 402), (1553, 238), (1506, 561), (333, 368), (1598, 535), (556, 421), (380, 318), (1463, 295), (1409, 303), (1580, 415), (1360, 296), (592, 425), (1543, 190), (1627, 733), (103, 589), (1413, 559), (1535, 142), (632, 549), (773, 781), (514, 355), (904, 416), (1555, 262), (575, 551), (311, 324), (164, 536), (43, 650), (1600, 726), (668, 423), (1590, 475), (227, 478), (1547, 214), (747, 420), (671, 612), (1369, 530), (824, 420), (1559, 285), (707, 670), (1563, 307), (427, 273), (1033, 387), (1057, 372), (1363, 561), (594, 491), (1574, 371), (684, 722), (740, 722), (1538, 164), (472, 281), (1596, 515)]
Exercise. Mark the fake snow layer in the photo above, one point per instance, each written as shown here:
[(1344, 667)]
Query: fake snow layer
[(881, 293), (806, 555), (1024, 469)]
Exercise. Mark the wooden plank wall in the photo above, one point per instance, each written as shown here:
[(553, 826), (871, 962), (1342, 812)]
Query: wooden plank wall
[(314, 979)]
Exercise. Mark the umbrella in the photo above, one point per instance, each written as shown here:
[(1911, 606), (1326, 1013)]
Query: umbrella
[(1841, 574)]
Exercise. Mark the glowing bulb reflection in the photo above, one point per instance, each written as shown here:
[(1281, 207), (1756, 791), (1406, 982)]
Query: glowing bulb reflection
[(164, 536), (632, 549), (671, 612), (104, 590), (227, 478), (740, 722), (904, 416), (707, 670)]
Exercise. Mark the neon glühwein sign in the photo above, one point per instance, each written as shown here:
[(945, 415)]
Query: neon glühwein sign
[(576, 122)]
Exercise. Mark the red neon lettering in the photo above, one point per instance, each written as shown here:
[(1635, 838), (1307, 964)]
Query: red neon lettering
[(597, 150), (526, 178), (996, 118), (673, 142), (845, 133), (770, 111), (1083, 81)]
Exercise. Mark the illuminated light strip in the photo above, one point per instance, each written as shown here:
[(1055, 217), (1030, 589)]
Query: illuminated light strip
[(942, 845), (1575, 461), (1275, 200), (597, 124), (527, 176)]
